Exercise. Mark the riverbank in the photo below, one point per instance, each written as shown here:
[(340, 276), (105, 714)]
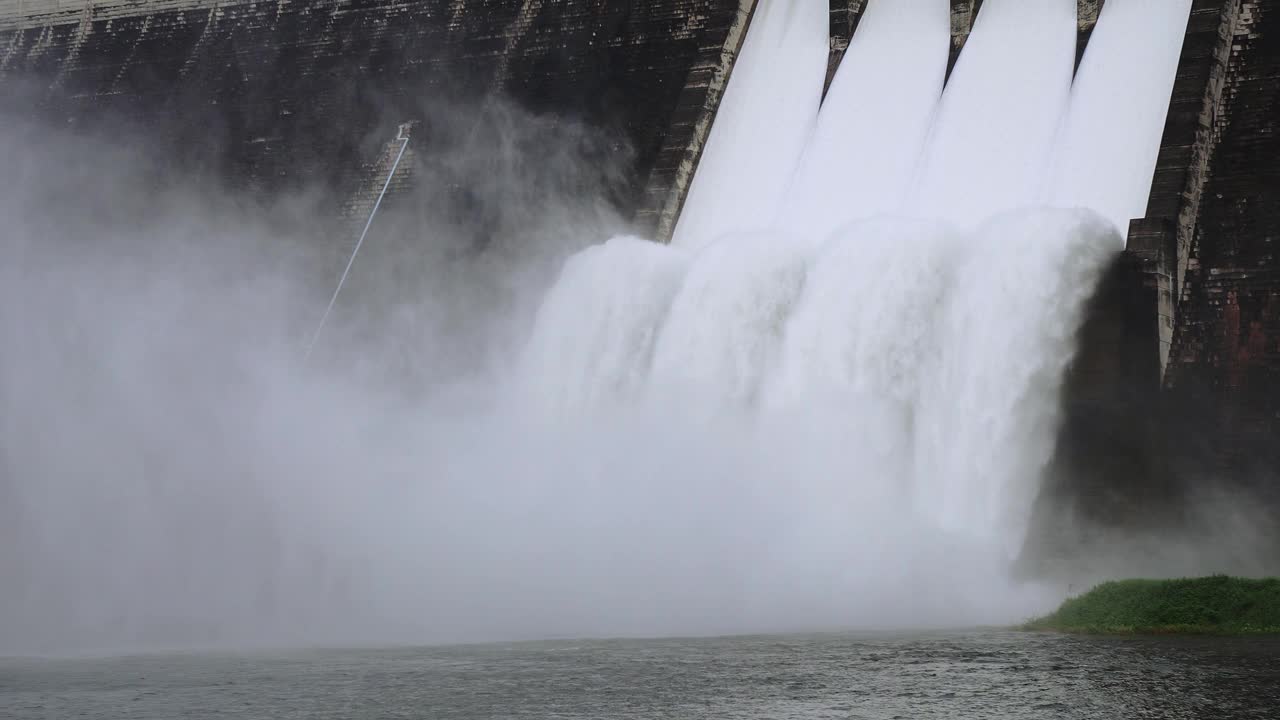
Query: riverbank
[(1209, 605)]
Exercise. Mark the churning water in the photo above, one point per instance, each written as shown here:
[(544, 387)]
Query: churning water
[(875, 292)]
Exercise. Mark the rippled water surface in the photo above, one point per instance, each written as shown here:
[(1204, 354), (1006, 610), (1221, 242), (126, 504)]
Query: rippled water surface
[(941, 675)]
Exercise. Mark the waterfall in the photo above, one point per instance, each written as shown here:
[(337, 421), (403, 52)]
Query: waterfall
[(575, 360), (879, 293), (765, 118), (1003, 336), (993, 136), (1111, 136), (726, 324), (874, 118), (867, 313)]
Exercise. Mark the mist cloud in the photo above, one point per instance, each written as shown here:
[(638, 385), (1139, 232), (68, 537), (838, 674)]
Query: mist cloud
[(174, 472)]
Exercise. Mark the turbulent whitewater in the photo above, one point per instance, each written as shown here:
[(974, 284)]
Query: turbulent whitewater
[(887, 308)]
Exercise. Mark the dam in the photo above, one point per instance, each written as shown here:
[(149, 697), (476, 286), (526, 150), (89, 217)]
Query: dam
[(717, 139)]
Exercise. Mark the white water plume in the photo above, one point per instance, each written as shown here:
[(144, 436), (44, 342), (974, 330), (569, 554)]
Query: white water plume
[(726, 324), (910, 377), (989, 396), (874, 118), (868, 312), (627, 285), (1111, 136), (762, 124), (993, 135)]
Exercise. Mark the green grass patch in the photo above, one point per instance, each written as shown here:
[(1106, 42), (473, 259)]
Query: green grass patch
[(1209, 605)]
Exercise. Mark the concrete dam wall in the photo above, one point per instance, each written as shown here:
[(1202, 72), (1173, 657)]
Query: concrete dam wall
[(1225, 346), (1203, 298), (273, 95), (291, 91)]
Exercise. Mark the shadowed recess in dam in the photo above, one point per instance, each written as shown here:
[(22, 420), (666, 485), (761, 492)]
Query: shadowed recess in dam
[(827, 404)]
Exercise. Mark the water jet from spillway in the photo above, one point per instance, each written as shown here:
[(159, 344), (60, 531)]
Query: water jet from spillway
[(1106, 154), (769, 106), (874, 119), (993, 135), (924, 349)]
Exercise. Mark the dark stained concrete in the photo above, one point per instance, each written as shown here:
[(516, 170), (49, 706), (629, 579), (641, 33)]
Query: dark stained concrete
[(273, 95)]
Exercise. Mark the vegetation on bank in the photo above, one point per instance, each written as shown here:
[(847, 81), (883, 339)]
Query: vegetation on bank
[(1209, 605)]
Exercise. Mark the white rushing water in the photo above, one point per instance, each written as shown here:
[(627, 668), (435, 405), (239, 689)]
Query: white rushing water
[(874, 118), (627, 286), (988, 407), (762, 125), (1111, 136), (914, 365), (726, 324), (992, 140)]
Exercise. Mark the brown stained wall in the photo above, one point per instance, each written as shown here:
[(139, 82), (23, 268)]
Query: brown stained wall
[(1208, 247), (276, 94), (1162, 239), (1194, 121), (1200, 300), (1226, 352)]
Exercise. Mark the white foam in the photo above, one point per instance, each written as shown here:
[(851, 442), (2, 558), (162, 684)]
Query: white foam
[(988, 405), (867, 312), (595, 331), (727, 321)]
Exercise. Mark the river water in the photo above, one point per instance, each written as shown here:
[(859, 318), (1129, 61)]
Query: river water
[(973, 674)]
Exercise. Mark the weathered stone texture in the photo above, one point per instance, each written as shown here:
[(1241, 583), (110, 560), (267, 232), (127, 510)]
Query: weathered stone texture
[(1153, 247), (1227, 339), (845, 15), (1214, 214), (690, 123), (1194, 121)]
